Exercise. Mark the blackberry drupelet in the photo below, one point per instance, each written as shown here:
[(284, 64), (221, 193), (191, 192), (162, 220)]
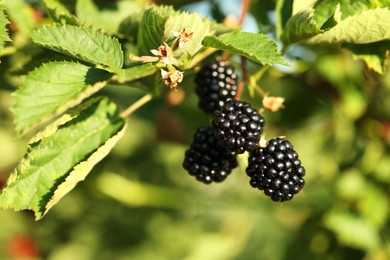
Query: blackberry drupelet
[(276, 170), (206, 159), (216, 83), (238, 126)]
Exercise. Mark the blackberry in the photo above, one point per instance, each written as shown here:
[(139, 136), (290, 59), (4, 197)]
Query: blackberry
[(206, 159), (216, 83), (238, 126), (276, 170)]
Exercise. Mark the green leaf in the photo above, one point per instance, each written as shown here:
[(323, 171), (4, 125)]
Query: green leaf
[(82, 43), (374, 54), (365, 27), (300, 27), (21, 14), (58, 12), (283, 12), (151, 31), (198, 26), (62, 155), (254, 46), (136, 72), (53, 88), (352, 230), (106, 14), (3, 28)]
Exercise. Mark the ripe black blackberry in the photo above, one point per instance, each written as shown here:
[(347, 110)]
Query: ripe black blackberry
[(276, 170), (216, 83), (238, 126), (206, 159)]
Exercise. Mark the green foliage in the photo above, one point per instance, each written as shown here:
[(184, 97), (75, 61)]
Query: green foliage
[(106, 14), (66, 84), (82, 43), (256, 47), (3, 30), (366, 27), (58, 12), (68, 78), (46, 173)]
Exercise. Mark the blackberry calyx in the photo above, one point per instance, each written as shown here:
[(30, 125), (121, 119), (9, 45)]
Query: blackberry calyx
[(216, 83), (206, 160), (276, 170), (238, 126)]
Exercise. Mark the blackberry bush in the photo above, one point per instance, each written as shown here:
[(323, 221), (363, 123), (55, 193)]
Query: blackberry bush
[(206, 159), (276, 170), (216, 83), (238, 126)]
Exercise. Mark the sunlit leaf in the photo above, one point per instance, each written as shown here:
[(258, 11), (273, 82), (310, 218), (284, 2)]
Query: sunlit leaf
[(58, 12), (3, 28), (52, 88), (62, 155), (82, 43), (366, 27), (107, 15), (254, 46)]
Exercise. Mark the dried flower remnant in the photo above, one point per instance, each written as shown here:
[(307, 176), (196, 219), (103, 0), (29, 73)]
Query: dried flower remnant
[(164, 52), (171, 79), (183, 36), (273, 103)]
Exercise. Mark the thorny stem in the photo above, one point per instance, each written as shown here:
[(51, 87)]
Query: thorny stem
[(133, 107)]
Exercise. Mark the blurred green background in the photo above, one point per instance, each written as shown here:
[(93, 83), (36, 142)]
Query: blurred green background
[(139, 203)]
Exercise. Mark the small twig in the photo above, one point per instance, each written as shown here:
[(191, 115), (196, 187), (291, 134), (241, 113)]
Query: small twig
[(133, 107), (244, 11), (201, 56), (244, 78), (257, 76)]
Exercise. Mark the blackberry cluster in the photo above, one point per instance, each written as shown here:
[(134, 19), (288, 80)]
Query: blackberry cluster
[(276, 170), (216, 83), (206, 159), (238, 126)]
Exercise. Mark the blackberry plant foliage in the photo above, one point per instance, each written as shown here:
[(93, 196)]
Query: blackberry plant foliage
[(276, 170), (149, 48), (216, 83), (206, 160)]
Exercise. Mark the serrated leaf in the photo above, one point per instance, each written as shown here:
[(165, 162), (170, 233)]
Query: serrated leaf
[(82, 43), (365, 27), (300, 27), (194, 23), (62, 155), (4, 37), (21, 14), (107, 14), (151, 31), (136, 72), (256, 47), (58, 12), (53, 88), (374, 54)]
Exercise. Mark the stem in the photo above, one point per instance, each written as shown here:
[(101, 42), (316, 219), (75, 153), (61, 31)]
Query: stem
[(244, 78), (257, 76), (133, 107), (201, 56), (7, 51), (244, 10)]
